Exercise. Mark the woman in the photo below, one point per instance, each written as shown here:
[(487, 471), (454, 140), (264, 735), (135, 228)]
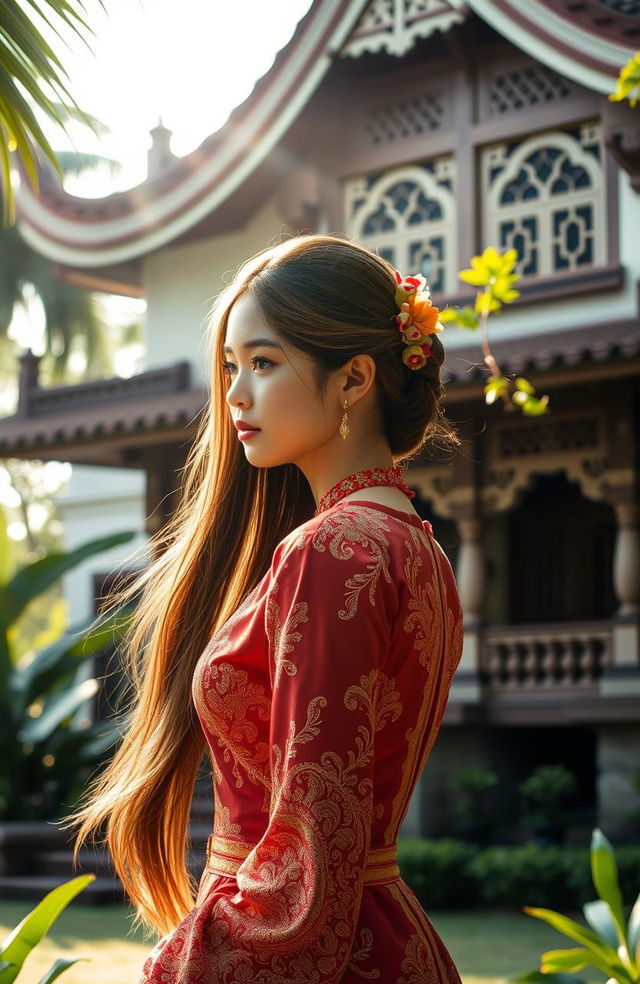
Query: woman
[(302, 625)]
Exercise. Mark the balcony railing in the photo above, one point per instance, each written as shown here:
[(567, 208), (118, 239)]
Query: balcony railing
[(526, 658)]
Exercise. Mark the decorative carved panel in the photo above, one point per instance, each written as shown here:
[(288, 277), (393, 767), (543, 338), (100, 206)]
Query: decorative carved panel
[(408, 216), (395, 25), (404, 119), (518, 450), (544, 196), (524, 87)]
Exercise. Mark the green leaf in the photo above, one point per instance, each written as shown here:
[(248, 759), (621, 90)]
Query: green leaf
[(495, 388), (633, 930), (63, 657), (574, 931), (36, 924), (598, 915), (537, 977), (61, 964), (57, 708), (577, 959), (35, 578), (524, 384), (558, 960), (605, 878), (534, 407)]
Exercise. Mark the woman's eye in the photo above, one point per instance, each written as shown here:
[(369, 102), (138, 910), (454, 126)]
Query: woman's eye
[(228, 367)]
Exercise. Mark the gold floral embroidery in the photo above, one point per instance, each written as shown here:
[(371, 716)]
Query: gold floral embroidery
[(320, 817), (343, 528), (361, 953), (421, 960), (280, 642), (292, 916), (433, 640), (222, 819), (422, 607)]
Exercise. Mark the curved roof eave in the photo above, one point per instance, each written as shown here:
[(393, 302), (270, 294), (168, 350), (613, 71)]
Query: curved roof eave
[(224, 161), (562, 45)]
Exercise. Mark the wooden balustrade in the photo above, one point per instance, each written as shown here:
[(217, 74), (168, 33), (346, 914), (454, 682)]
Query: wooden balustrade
[(543, 657)]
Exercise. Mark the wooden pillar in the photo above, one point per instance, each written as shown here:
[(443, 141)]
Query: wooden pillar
[(161, 463), (620, 488)]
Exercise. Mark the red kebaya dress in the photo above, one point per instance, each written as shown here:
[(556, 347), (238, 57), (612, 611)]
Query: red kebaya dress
[(320, 699)]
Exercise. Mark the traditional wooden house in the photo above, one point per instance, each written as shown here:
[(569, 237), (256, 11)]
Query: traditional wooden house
[(426, 129)]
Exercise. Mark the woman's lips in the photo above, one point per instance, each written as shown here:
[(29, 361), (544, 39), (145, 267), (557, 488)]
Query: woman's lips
[(244, 435)]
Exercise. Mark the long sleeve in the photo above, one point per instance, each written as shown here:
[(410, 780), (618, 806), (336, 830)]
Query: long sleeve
[(330, 607)]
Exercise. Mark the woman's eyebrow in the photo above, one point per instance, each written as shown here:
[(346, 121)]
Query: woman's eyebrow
[(269, 343)]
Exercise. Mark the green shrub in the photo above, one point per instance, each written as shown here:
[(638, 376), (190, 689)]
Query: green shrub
[(548, 789), (453, 874), (438, 872), (530, 874)]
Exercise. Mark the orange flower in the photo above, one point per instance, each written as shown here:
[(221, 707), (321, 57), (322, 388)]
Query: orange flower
[(423, 314), (417, 319)]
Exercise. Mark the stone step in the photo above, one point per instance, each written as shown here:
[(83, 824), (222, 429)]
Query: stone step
[(61, 863)]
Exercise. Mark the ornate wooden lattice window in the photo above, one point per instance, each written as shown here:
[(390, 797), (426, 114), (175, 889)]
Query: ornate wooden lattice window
[(408, 215), (544, 196)]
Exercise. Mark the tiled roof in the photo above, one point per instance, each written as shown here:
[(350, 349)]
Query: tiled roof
[(121, 412), (544, 350)]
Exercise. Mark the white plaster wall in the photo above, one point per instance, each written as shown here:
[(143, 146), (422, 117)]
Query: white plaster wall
[(181, 283), (97, 502)]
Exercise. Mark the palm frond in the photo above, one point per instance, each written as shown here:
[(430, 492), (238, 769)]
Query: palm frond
[(73, 162), (29, 62)]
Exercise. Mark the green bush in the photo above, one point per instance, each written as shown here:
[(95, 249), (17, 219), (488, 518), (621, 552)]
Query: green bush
[(438, 872), (472, 786), (453, 874), (530, 874), (548, 790)]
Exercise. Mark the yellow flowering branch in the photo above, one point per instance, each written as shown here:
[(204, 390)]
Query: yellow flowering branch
[(493, 272), (628, 84)]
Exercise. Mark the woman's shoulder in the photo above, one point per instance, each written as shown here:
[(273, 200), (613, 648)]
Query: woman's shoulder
[(353, 528)]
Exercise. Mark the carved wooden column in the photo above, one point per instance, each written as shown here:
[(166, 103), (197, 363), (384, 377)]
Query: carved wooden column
[(626, 558), (620, 488)]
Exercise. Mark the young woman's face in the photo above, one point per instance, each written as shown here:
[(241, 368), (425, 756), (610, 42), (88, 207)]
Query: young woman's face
[(271, 387)]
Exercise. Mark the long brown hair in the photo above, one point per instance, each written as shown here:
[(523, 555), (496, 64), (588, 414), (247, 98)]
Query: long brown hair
[(332, 300)]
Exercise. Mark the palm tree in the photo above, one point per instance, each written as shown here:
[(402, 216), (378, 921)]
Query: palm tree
[(32, 77)]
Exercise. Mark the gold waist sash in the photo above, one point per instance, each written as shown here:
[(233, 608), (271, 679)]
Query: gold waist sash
[(225, 855)]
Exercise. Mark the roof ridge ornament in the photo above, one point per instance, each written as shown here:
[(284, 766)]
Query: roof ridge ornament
[(395, 25)]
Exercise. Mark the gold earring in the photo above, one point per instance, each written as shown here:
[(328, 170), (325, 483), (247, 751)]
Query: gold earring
[(345, 430)]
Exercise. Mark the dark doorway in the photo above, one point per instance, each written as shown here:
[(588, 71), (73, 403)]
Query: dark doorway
[(560, 548)]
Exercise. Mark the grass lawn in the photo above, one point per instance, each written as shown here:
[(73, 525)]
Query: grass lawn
[(488, 947)]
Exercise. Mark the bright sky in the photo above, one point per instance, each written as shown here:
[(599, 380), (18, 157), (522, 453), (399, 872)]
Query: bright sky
[(190, 62)]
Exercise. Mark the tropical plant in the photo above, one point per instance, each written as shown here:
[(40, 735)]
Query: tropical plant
[(609, 945), (548, 789), (33, 78), (633, 816), (472, 786), (494, 273), (628, 82), (43, 752), (34, 927)]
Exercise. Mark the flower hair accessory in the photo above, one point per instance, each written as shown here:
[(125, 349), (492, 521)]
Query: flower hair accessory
[(417, 320)]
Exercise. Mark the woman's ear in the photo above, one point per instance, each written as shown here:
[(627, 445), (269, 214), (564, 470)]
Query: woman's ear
[(358, 376)]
